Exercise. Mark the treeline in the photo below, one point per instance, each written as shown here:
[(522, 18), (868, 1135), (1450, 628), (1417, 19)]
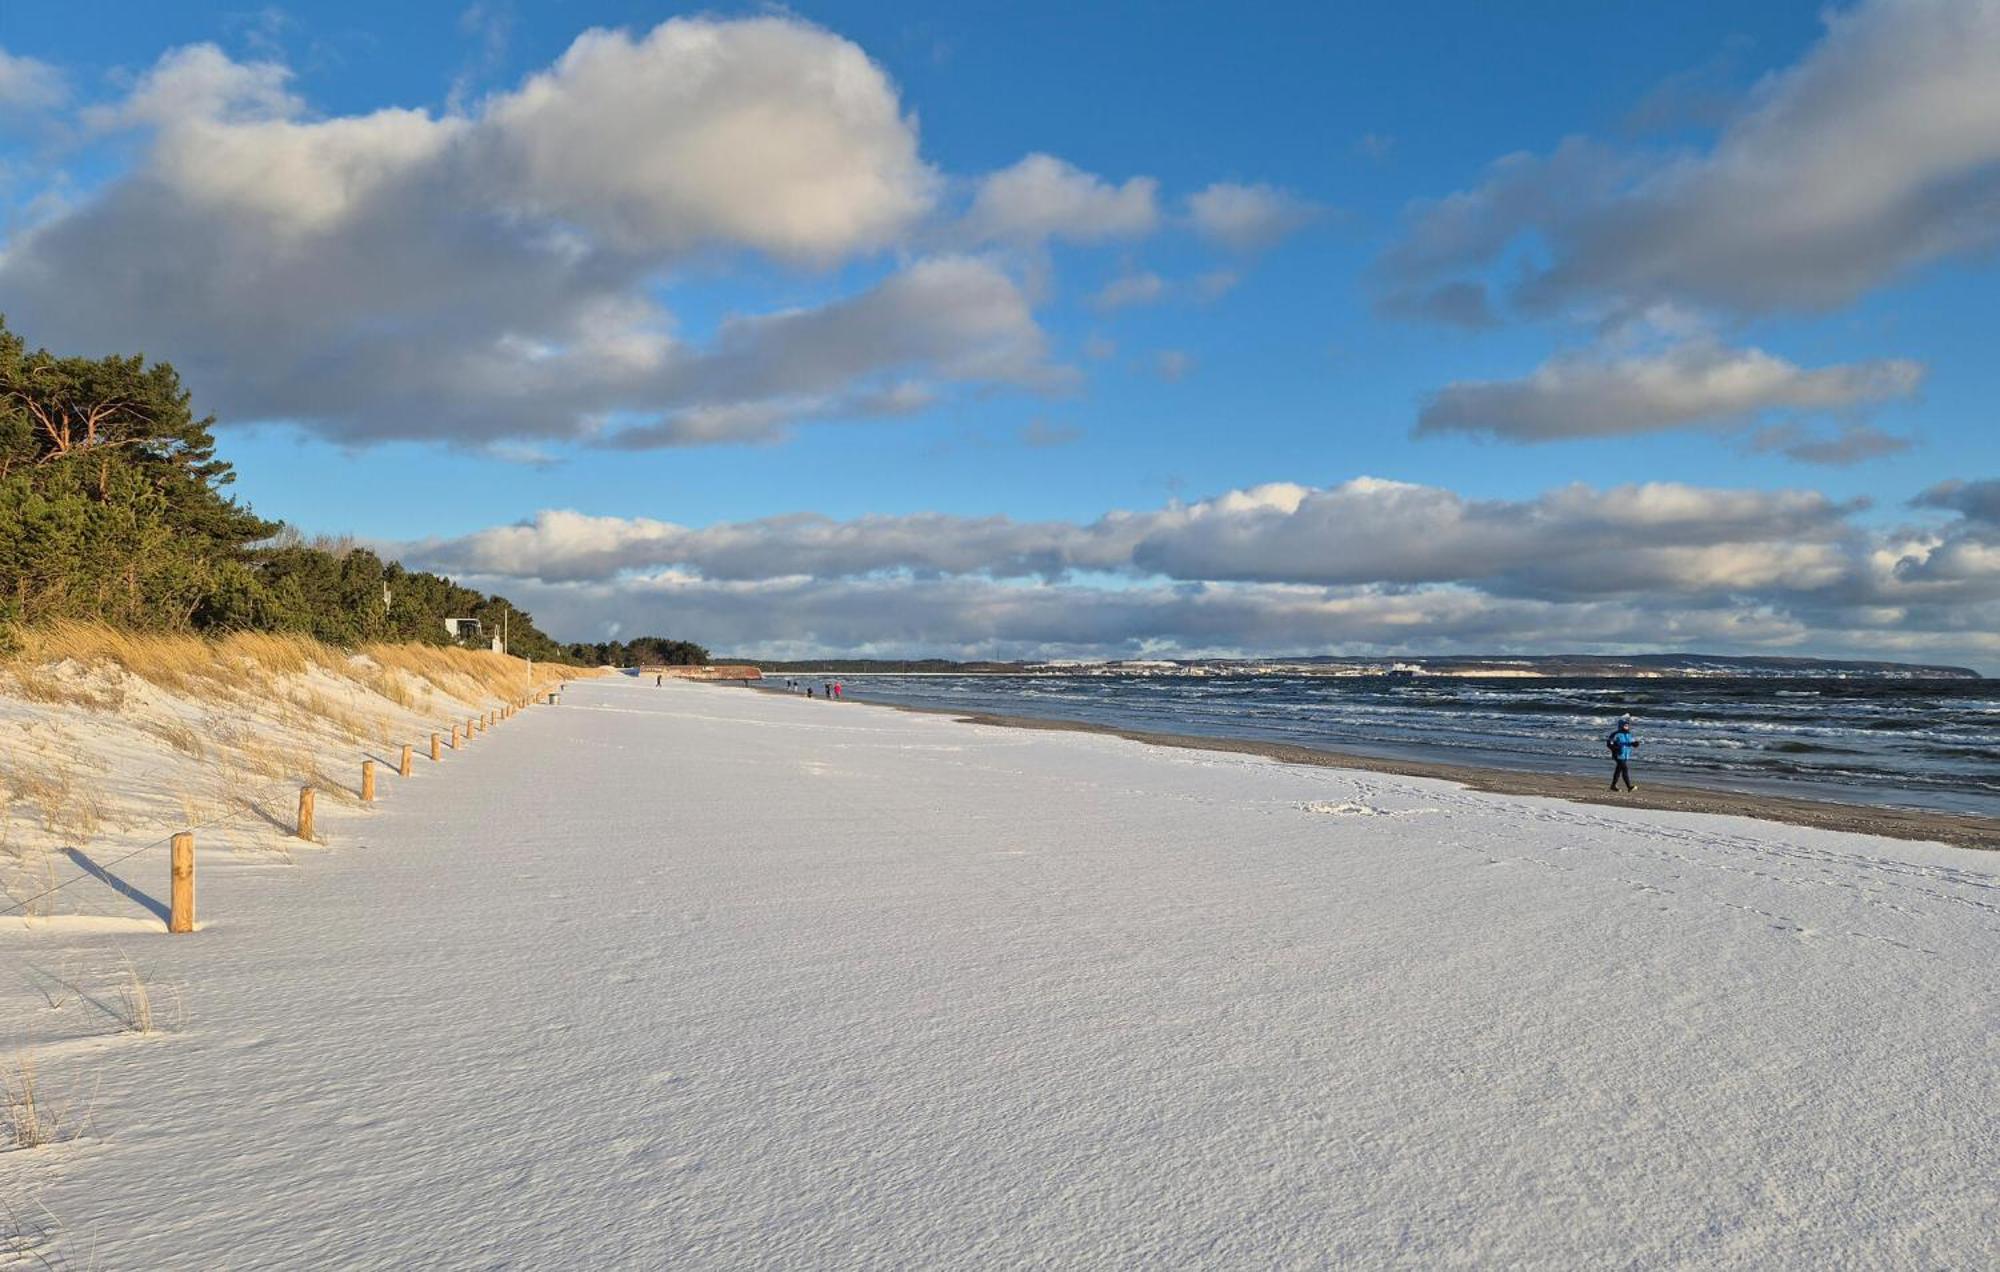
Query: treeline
[(114, 508), (641, 651)]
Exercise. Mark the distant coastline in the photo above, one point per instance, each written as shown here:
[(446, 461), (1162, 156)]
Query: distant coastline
[(1503, 666)]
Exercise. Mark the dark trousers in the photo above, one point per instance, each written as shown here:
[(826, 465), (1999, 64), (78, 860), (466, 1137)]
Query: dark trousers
[(1619, 770)]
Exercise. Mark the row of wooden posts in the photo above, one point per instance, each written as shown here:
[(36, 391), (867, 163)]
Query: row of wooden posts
[(180, 905)]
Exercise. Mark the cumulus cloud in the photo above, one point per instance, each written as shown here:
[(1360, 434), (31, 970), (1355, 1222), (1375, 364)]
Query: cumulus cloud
[(976, 618), (1876, 153), (500, 275), (767, 133), (27, 84), (1286, 567), (1246, 218), (1043, 197), (492, 277), (955, 318), (1697, 382), (200, 85), (1572, 540)]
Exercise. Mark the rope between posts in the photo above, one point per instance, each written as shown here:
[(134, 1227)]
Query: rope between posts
[(249, 807)]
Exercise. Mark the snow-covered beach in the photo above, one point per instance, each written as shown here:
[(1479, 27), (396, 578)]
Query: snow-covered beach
[(691, 976)]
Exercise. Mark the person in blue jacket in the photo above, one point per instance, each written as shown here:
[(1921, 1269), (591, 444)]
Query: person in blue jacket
[(1621, 744)]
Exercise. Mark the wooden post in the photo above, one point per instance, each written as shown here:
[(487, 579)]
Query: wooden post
[(404, 771), (305, 812), (180, 912), (454, 737), (434, 748), (367, 781)]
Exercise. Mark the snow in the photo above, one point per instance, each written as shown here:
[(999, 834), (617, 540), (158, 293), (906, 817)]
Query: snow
[(698, 976)]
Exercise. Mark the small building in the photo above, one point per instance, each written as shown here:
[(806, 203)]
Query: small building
[(461, 628)]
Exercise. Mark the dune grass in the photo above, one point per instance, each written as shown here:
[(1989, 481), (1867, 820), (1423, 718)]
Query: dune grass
[(250, 662), (233, 716)]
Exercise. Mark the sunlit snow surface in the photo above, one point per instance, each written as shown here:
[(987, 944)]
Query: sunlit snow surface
[(696, 977)]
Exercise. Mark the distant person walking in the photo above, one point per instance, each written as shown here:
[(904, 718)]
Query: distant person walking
[(1621, 744)]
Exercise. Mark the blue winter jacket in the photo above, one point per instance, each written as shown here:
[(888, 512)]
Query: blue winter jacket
[(1621, 744)]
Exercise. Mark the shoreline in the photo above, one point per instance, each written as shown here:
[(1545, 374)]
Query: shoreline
[(1961, 830)]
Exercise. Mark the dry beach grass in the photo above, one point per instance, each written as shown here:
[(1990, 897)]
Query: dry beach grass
[(111, 738), (110, 741)]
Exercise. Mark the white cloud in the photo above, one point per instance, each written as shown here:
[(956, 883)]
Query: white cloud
[(493, 276), (27, 84), (766, 133), (500, 275), (1848, 445), (895, 617), (1285, 566), (1877, 153), (1247, 217), (1694, 383), (1042, 197), (1130, 289), (200, 85), (1574, 539), (952, 318), (975, 618)]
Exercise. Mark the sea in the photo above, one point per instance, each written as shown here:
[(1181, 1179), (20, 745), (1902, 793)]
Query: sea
[(1931, 744)]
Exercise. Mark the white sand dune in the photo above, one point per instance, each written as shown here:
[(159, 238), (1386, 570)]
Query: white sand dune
[(697, 977)]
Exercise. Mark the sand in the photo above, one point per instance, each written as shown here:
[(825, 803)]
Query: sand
[(685, 976)]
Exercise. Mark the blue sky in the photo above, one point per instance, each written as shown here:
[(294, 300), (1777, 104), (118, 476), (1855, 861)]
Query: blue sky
[(1106, 329)]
